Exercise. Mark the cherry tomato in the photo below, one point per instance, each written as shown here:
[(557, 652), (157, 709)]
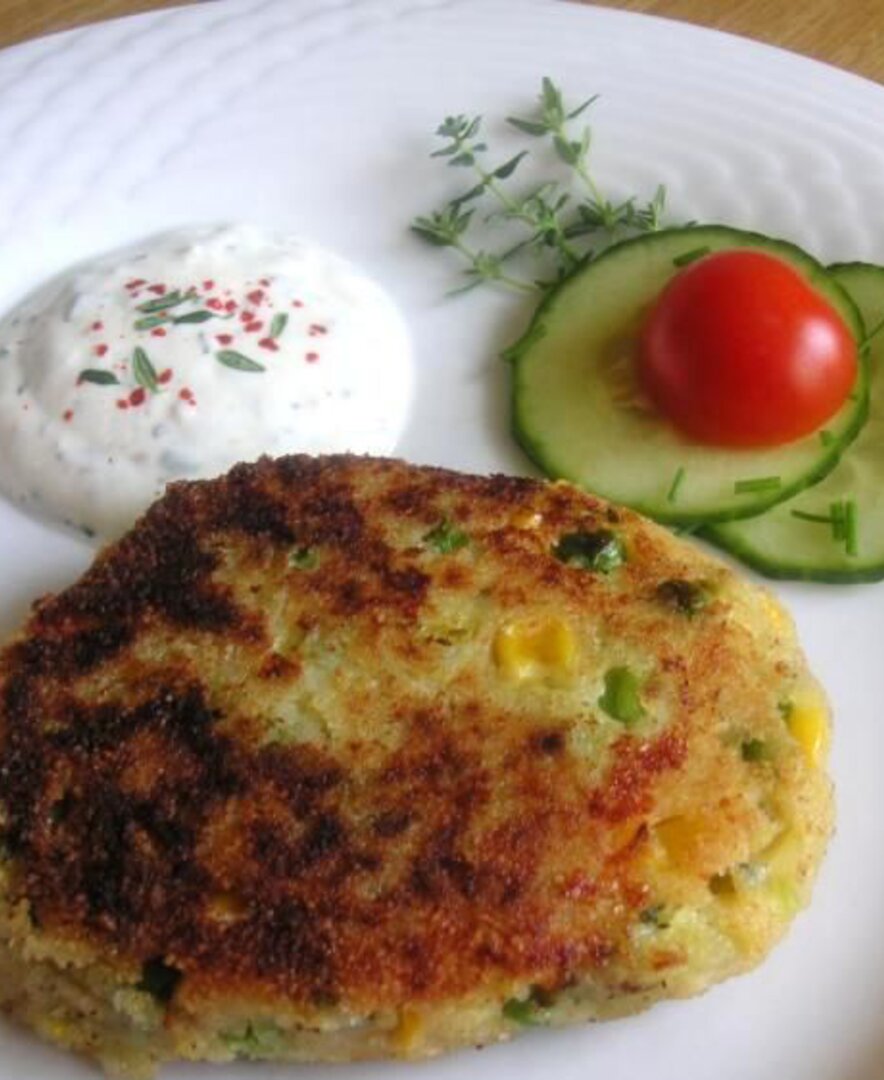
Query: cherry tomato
[(739, 350)]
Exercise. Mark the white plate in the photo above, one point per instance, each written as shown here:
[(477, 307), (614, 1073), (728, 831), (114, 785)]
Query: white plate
[(317, 116)]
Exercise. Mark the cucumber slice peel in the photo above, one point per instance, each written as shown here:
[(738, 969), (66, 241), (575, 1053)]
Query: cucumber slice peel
[(834, 531), (578, 415)]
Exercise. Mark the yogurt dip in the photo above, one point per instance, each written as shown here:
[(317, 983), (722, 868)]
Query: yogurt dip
[(181, 356)]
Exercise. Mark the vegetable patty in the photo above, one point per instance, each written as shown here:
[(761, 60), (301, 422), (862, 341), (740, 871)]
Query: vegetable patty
[(339, 757)]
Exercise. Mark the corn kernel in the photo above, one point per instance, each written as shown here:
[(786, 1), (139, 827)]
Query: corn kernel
[(783, 850), (775, 613), (58, 1030), (533, 649), (742, 932), (785, 896), (226, 907), (680, 837), (527, 519), (408, 1031), (808, 723)]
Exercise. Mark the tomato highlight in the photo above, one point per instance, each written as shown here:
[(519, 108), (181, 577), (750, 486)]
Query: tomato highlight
[(740, 351)]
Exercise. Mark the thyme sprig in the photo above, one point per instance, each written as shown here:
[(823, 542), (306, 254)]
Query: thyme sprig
[(554, 220), (446, 228)]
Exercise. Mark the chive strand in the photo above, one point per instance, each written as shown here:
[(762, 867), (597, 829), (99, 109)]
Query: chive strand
[(677, 481), (838, 518), (687, 257), (823, 519), (757, 484), (851, 540)]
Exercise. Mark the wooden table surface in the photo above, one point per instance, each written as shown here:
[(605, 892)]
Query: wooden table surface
[(848, 33)]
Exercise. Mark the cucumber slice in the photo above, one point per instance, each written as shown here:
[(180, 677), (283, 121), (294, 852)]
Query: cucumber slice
[(783, 545), (576, 413)]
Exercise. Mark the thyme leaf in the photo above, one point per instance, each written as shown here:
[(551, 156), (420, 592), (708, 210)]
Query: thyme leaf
[(98, 377), (233, 359), (150, 321), (144, 371), (162, 303)]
